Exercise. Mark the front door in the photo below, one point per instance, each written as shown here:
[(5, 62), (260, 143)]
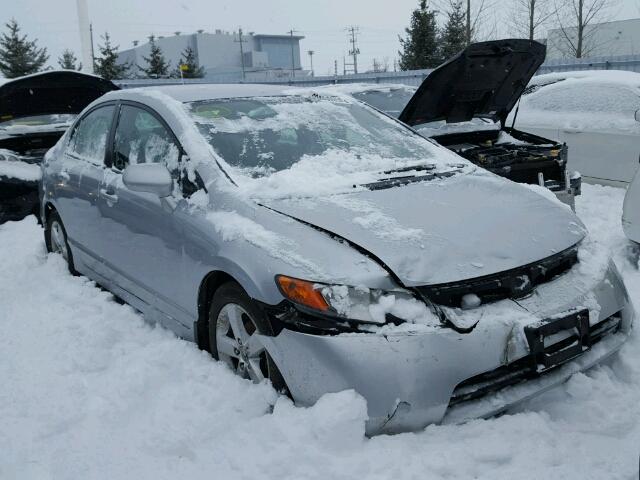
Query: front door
[(142, 244)]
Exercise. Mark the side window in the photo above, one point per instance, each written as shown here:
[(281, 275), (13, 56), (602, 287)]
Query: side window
[(141, 138), (89, 138)]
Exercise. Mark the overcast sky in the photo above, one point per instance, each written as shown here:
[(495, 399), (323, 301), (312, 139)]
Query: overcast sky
[(322, 22)]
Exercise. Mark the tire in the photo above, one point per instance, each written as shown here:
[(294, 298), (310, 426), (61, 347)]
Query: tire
[(55, 237), (233, 320)]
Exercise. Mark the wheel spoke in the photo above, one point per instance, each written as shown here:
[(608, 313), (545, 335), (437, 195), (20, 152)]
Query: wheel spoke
[(227, 346), (254, 371), (235, 320), (254, 346)]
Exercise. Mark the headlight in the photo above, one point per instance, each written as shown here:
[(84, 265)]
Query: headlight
[(355, 303)]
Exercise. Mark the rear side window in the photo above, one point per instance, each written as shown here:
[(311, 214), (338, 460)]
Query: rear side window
[(89, 138), (141, 138)]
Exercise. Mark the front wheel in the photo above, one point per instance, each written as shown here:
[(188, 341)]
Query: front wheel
[(55, 237), (234, 325)]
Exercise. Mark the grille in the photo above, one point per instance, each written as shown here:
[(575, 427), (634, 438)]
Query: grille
[(515, 283), (525, 368)]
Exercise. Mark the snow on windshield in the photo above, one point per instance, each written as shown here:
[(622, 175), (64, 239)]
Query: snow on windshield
[(296, 144), (37, 123)]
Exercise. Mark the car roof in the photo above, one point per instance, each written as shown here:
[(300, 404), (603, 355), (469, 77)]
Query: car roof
[(199, 92), (609, 76)]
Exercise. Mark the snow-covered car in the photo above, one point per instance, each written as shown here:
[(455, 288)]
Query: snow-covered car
[(310, 240), (35, 111), (596, 113), (464, 103)]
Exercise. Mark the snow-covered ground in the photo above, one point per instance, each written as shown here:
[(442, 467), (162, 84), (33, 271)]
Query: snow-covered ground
[(89, 391)]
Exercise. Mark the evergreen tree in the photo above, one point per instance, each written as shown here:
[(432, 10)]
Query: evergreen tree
[(107, 65), (68, 61), (19, 56), (453, 37), (420, 47), (157, 66), (193, 70)]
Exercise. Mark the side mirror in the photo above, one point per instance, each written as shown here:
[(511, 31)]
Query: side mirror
[(149, 178), (637, 115)]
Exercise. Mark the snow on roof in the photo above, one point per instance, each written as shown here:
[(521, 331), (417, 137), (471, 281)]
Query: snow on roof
[(609, 76), (351, 88), (195, 93)]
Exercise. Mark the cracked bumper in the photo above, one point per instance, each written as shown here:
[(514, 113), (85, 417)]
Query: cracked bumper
[(408, 379)]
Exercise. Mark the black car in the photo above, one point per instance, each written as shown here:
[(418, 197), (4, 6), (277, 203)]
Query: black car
[(464, 103), (35, 111)]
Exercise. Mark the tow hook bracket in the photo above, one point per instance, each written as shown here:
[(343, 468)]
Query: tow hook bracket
[(562, 351)]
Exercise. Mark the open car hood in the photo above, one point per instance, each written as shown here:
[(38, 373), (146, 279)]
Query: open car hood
[(463, 227), (484, 80), (48, 93)]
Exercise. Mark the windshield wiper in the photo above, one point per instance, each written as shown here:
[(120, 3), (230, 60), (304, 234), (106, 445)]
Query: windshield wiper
[(397, 181), (418, 168)]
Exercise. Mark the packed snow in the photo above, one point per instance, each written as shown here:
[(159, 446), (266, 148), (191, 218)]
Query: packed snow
[(91, 391)]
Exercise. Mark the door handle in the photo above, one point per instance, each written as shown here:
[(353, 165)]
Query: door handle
[(109, 196), (573, 132)]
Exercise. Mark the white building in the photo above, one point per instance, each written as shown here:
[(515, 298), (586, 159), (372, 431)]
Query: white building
[(621, 37), (263, 56)]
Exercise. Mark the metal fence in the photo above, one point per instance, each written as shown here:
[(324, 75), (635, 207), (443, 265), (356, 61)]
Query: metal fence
[(410, 77)]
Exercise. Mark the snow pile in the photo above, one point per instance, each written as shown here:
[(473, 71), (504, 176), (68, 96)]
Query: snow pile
[(91, 391)]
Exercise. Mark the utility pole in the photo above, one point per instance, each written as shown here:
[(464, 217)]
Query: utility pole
[(93, 56), (293, 58), (85, 36), (311, 52), (241, 41), (355, 51)]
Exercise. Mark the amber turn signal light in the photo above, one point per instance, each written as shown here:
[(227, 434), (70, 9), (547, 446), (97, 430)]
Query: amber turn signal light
[(302, 292)]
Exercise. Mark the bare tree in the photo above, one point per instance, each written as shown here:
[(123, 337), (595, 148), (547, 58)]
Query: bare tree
[(578, 24), (528, 16), (481, 23)]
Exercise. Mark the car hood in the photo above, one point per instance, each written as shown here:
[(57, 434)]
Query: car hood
[(47, 93), (485, 79), (429, 233)]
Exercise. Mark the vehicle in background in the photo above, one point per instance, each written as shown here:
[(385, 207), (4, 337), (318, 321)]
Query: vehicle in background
[(310, 240), (596, 113), (464, 103), (388, 98), (35, 111)]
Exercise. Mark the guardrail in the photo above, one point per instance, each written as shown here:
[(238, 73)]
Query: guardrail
[(409, 77)]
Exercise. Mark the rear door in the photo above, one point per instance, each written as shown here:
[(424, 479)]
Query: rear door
[(142, 234), (77, 181)]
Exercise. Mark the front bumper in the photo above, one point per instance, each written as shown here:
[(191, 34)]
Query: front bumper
[(408, 380)]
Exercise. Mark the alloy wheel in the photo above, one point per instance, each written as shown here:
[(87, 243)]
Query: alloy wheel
[(58, 240), (237, 343)]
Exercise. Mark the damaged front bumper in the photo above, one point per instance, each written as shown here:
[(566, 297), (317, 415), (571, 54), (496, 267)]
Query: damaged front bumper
[(411, 380)]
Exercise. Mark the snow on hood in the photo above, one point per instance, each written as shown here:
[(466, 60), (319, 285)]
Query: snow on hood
[(445, 231)]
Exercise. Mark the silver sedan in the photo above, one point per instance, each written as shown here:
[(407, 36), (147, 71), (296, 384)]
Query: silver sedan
[(308, 240)]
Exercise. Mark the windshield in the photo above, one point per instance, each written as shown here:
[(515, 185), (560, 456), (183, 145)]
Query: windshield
[(311, 139), (38, 121), (391, 101)]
